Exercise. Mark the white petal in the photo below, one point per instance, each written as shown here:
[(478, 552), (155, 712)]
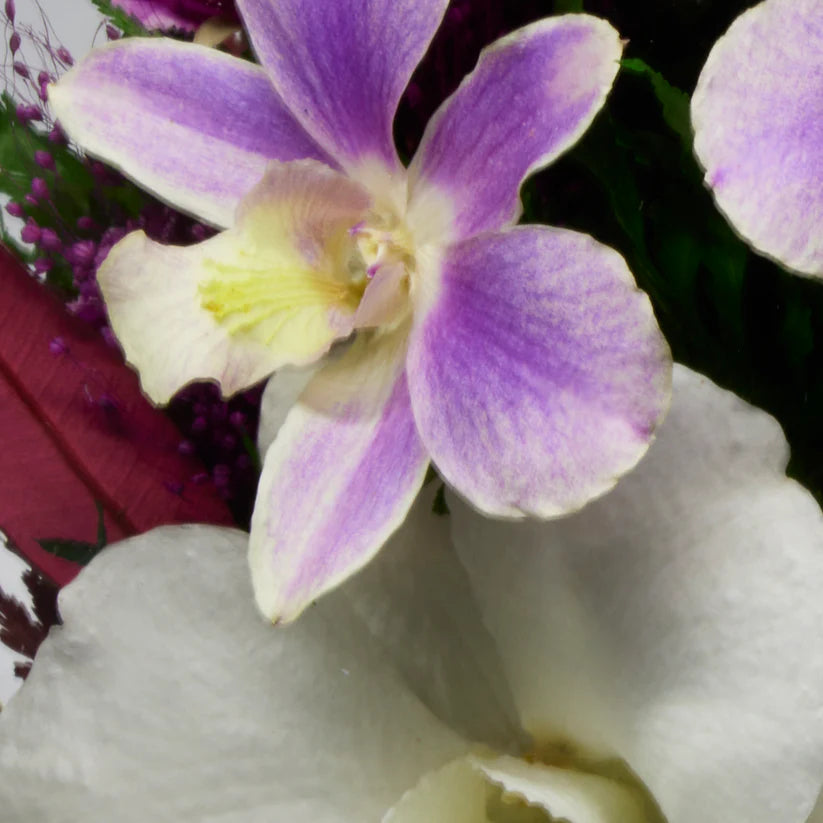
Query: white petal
[(456, 793), (678, 622), (165, 697), (281, 393), (567, 794), (492, 789), (416, 600)]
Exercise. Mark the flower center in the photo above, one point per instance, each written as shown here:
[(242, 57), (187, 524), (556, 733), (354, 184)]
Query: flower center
[(384, 263)]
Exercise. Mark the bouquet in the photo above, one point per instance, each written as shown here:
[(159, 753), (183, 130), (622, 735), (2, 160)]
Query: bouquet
[(398, 405)]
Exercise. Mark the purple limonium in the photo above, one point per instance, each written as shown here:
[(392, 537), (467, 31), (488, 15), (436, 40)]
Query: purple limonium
[(756, 113), (184, 15), (522, 360)]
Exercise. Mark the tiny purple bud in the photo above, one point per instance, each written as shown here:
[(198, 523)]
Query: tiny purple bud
[(64, 56), (199, 232), (57, 135), (40, 188), (50, 240), (185, 447), (108, 402), (58, 346), (237, 419), (10, 10), (199, 425), (21, 69), (219, 412), (228, 442), (111, 32), (26, 113), (43, 77), (85, 223), (200, 478), (175, 488), (14, 42), (82, 252), (14, 209), (221, 474), (44, 159), (31, 200), (31, 232), (42, 265), (109, 337)]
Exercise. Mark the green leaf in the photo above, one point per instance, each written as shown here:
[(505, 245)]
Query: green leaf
[(130, 26), (76, 550), (675, 102)]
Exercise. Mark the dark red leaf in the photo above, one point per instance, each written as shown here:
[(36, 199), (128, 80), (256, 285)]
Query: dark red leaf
[(76, 430)]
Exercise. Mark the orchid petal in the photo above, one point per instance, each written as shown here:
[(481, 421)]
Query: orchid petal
[(417, 602), (485, 789), (191, 124), (567, 794), (159, 16), (457, 793), (339, 478), (677, 622), (532, 95), (165, 697), (282, 391), (537, 372), (264, 294), (341, 67), (758, 125)]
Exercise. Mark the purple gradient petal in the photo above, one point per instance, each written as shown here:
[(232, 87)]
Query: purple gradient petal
[(185, 15), (195, 126), (757, 113), (342, 65), (538, 374), (532, 95), (338, 479)]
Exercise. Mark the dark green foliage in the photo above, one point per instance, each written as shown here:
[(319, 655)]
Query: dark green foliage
[(76, 550)]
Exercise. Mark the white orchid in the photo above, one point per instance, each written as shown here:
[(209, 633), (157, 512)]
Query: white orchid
[(658, 656)]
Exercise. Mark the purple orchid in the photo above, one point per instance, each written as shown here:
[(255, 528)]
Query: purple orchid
[(185, 15), (756, 113), (522, 360)]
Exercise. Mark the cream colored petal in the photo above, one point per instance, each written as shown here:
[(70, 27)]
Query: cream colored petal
[(566, 794), (272, 291), (488, 788), (457, 793)]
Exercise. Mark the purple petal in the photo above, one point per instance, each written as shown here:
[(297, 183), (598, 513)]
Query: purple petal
[(193, 125), (538, 373), (758, 120), (532, 95), (342, 66), (338, 479)]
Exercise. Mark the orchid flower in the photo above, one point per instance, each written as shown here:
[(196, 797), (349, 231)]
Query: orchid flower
[(185, 15), (756, 113), (522, 360), (655, 658)]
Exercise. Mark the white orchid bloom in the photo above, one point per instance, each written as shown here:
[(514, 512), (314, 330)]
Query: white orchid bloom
[(658, 656)]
